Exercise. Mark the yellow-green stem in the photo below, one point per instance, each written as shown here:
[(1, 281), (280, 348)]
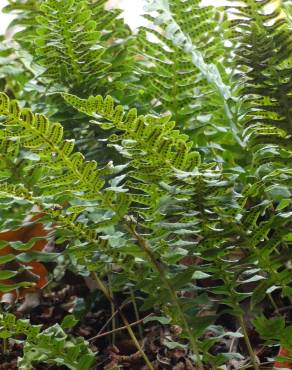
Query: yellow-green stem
[(112, 308), (147, 250), (105, 291), (5, 346), (133, 299), (252, 355)]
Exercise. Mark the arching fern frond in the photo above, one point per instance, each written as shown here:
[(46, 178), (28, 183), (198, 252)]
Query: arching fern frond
[(264, 56), (183, 68), (176, 34), (157, 137), (172, 73)]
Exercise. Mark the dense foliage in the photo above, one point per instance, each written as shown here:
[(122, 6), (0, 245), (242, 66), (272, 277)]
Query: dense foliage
[(158, 162)]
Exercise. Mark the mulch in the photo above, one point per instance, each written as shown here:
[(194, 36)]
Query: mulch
[(117, 350)]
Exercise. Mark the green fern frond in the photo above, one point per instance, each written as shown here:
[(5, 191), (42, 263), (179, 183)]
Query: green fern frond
[(161, 154), (69, 45), (264, 55), (184, 71), (73, 42), (37, 134), (155, 136), (176, 34)]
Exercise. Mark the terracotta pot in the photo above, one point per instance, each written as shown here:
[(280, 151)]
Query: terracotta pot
[(285, 353)]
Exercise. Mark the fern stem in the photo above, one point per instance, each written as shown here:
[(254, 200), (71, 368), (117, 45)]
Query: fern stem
[(248, 344), (274, 304), (105, 291), (113, 320), (238, 313), (147, 250), (134, 303), (102, 334), (5, 346)]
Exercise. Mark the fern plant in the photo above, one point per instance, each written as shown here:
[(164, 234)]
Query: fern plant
[(52, 345), (178, 165), (171, 192)]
